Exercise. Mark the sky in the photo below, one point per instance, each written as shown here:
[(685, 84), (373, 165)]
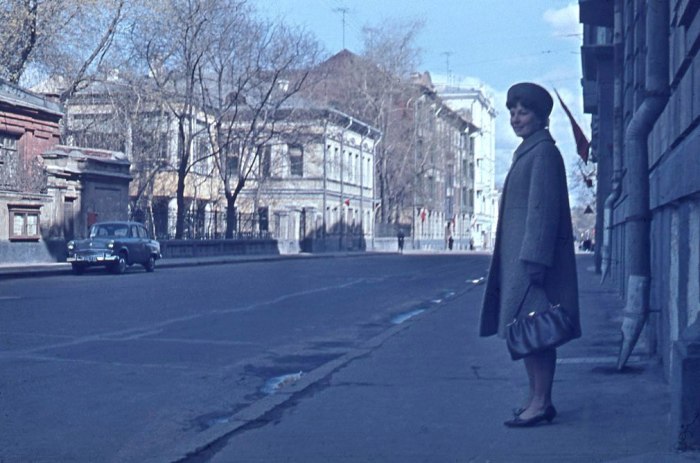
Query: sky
[(489, 44)]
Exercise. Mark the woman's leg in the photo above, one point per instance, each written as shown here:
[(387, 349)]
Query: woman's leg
[(540, 368), (531, 383)]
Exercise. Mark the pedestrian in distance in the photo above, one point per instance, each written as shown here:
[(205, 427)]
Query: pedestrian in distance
[(400, 237), (533, 263)]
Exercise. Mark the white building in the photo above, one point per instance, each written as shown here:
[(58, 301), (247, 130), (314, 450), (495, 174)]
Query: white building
[(484, 196), (315, 192)]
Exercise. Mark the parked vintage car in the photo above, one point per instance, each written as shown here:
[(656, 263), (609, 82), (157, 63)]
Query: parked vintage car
[(115, 245)]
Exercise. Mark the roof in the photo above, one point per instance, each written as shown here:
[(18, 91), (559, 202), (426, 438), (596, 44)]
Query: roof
[(90, 153), (20, 97)]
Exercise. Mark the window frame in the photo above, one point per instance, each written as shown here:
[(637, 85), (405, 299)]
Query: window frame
[(296, 159), (265, 161), (9, 159), (25, 211)]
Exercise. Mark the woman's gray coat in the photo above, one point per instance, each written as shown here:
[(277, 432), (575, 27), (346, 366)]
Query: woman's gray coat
[(534, 225)]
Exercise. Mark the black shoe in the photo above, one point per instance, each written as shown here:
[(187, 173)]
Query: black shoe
[(547, 415), (519, 411)]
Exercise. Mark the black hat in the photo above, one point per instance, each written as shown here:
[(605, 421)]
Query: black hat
[(531, 96)]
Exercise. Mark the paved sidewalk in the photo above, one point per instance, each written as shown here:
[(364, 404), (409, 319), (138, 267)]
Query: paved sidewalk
[(432, 391)]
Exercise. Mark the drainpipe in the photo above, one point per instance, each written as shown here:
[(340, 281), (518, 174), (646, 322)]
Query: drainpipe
[(637, 243), (616, 190), (362, 185), (325, 178), (374, 196), (341, 211)]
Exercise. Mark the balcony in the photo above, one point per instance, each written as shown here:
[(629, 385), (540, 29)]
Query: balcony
[(596, 12)]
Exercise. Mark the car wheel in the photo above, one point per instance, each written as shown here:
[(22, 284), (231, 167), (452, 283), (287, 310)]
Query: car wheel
[(150, 265), (78, 269), (119, 266)]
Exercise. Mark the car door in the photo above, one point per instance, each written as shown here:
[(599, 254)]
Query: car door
[(137, 247), (146, 241)]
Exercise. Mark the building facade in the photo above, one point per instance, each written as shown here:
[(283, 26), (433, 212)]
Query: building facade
[(482, 195), (50, 193), (444, 210), (111, 116), (315, 187), (641, 83), (309, 184), (422, 175)]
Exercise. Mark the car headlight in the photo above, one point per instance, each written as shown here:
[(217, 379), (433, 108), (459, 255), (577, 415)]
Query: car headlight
[(110, 245), (71, 245)]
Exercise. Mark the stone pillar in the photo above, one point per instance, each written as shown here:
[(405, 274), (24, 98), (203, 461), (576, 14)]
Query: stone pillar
[(685, 390)]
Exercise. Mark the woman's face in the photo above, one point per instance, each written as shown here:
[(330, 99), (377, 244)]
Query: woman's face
[(524, 121)]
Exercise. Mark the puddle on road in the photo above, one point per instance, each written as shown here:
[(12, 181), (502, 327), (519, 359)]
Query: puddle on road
[(397, 320), (206, 421), (215, 421), (272, 385)]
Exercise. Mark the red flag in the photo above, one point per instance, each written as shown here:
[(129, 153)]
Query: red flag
[(582, 143)]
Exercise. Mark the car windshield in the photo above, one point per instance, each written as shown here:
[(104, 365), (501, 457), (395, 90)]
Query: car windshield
[(109, 230)]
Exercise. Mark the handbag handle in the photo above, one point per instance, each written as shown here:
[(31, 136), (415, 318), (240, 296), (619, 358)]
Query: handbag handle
[(520, 307)]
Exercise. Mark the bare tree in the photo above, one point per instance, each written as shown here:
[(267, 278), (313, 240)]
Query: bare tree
[(390, 45), (173, 38), (19, 36), (51, 37), (62, 40), (377, 88), (122, 113), (248, 79), (582, 179)]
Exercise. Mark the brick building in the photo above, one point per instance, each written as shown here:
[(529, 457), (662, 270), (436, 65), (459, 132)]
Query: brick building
[(48, 192)]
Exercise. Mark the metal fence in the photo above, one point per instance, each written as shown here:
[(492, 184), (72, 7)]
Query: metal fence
[(386, 230)]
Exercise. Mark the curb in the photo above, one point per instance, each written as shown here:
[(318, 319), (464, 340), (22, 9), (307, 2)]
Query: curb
[(211, 439), (62, 268)]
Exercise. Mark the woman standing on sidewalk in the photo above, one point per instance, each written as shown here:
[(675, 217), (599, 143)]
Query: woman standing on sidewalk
[(534, 244)]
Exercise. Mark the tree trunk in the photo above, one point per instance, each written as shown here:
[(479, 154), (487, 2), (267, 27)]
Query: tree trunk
[(231, 197), (230, 216), (181, 175)]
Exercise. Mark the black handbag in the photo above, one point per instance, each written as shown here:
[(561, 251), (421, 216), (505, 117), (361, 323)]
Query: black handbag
[(537, 331)]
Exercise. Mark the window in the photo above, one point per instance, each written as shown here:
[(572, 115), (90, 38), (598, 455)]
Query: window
[(232, 163), (201, 156), (265, 153), (9, 162), (449, 175), (264, 218), (296, 160), (142, 233), (24, 222), (233, 160)]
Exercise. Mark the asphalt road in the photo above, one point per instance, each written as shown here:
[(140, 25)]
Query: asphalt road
[(127, 368)]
